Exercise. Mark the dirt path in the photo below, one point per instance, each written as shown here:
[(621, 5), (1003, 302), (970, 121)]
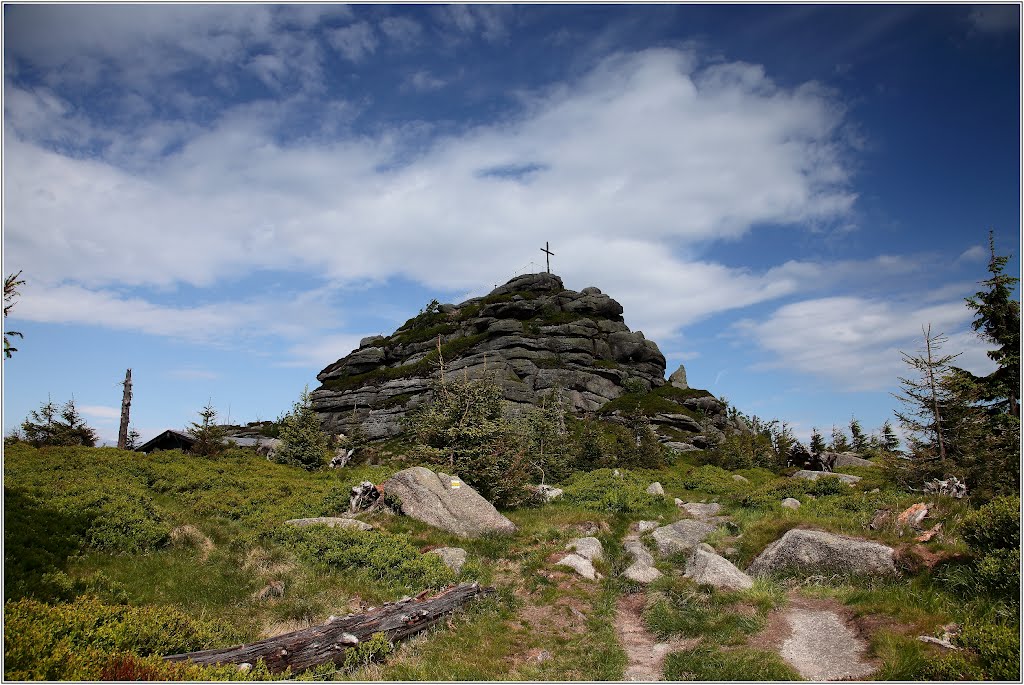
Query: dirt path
[(646, 655)]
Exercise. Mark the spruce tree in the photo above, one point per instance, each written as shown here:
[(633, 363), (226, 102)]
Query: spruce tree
[(303, 440), (839, 441), (209, 437), (817, 442), (890, 442), (859, 440), (998, 322)]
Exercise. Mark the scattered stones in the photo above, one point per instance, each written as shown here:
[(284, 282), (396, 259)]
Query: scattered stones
[(655, 489), (581, 565), (913, 515), (708, 568), (815, 475), (821, 647), (791, 503), (700, 510), (681, 536), (810, 552), (330, 522), (445, 502), (588, 548), (453, 557), (642, 569)]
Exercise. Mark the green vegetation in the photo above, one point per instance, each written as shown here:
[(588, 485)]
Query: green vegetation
[(705, 663), (11, 284), (303, 441), (54, 426)]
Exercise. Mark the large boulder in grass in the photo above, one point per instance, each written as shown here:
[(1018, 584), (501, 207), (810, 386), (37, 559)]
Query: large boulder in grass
[(445, 502), (708, 568), (815, 475), (815, 552)]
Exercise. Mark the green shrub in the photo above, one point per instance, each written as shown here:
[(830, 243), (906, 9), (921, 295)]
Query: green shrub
[(381, 557), (997, 647), (74, 641), (126, 524), (602, 490), (999, 574), (828, 485), (994, 526), (705, 663), (710, 479)]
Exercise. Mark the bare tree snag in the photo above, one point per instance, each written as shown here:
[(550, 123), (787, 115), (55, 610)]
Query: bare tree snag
[(313, 646), (126, 403)]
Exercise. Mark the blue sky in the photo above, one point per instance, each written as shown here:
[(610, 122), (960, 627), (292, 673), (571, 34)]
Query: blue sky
[(226, 198)]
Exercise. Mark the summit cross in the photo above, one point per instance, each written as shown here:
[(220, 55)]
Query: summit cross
[(548, 254)]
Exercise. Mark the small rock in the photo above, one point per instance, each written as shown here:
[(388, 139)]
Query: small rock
[(678, 378), (699, 510), (244, 667), (646, 526), (874, 490), (582, 566), (273, 589), (453, 557), (546, 492), (791, 503), (543, 656), (642, 569), (913, 515), (588, 548), (706, 547), (655, 489), (678, 502), (879, 519), (739, 479), (929, 534), (937, 641)]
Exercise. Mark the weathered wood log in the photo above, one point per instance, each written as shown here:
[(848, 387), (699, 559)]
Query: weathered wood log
[(316, 645)]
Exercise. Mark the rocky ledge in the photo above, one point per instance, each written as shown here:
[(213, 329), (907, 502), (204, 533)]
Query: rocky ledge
[(531, 334)]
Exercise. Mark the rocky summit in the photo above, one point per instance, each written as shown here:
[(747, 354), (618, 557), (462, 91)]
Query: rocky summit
[(531, 334)]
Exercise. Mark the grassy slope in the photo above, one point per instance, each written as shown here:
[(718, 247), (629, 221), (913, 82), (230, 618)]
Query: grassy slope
[(100, 521)]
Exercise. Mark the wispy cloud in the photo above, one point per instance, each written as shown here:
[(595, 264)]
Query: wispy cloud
[(854, 343), (99, 412), (355, 41)]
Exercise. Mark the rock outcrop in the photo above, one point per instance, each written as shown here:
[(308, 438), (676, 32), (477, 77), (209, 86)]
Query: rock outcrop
[(444, 502), (531, 335), (682, 536), (815, 552)]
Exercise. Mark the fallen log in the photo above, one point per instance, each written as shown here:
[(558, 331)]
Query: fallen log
[(316, 645)]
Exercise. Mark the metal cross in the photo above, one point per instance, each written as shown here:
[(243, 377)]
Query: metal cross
[(548, 254)]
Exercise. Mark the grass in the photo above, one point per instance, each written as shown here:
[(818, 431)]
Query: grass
[(62, 546), (705, 663)]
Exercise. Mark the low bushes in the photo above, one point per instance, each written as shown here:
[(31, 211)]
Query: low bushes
[(602, 490), (78, 640)]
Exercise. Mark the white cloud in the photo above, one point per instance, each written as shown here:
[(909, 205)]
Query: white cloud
[(635, 163), (321, 351), (423, 80), (100, 413), (402, 30), (975, 253), (487, 21), (855, 343), (354, 41)]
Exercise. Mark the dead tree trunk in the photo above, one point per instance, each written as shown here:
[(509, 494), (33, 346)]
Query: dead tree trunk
[(126, 403), (310, 647)]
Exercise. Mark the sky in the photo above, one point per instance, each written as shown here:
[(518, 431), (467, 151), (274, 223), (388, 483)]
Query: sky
[(226, 198)]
